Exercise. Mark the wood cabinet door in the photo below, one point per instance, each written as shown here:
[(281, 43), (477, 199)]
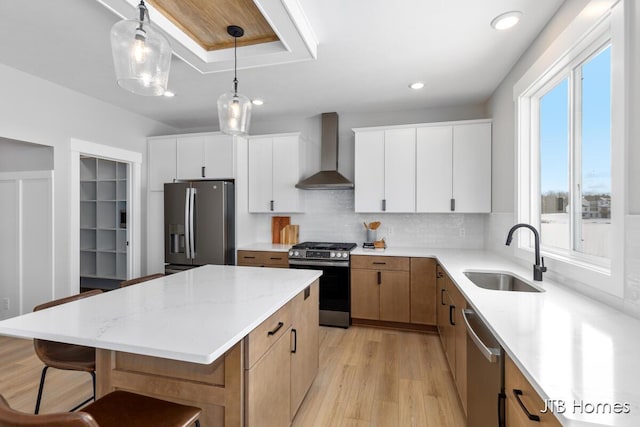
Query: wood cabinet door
[(286, 174), (305, 342), (460, 338), (423, 291), (260, 174), (442, 309), (515, 415), (400, 170), (365, 294), (219, 157), (472, 167), (189, 161), (434, 168), (369, 171), (269, 386), (395, 295), (162, 162)]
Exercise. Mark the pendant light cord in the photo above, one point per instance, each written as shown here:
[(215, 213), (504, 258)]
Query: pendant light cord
[(235, 65)]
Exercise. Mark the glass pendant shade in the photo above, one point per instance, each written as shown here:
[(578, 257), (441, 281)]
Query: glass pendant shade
[(141, 56), (234, 113)]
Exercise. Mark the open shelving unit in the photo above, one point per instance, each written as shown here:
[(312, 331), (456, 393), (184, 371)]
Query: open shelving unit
[(103, 220)]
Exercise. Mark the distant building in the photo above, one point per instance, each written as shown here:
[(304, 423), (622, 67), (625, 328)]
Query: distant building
[(596, 206)]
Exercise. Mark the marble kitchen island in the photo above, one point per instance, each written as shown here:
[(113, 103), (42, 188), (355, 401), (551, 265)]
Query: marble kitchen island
[(214, 337)]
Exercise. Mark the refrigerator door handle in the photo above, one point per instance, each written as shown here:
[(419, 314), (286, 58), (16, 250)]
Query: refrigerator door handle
[(192, 206), (187, 230)]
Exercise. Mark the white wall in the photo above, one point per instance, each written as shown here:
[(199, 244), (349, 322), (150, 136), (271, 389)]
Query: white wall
[(44, 113), (22, 156), (329, 214), (501, 108)]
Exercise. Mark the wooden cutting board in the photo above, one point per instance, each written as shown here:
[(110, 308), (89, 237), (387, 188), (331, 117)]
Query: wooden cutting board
[(277, 224), (289, 234)]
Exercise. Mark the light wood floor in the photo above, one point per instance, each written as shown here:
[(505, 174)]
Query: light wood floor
[(367, 377), (378, 377)]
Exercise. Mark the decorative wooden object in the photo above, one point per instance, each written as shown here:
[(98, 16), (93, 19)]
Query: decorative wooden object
[(206, 21), (277, 224)]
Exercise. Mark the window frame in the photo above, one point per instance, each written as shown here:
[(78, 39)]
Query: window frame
[(605, 274)]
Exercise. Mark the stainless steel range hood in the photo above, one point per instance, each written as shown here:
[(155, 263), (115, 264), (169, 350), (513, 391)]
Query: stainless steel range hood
[(328, 178)]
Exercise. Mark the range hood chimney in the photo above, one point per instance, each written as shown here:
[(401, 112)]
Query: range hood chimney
[(328, 178)]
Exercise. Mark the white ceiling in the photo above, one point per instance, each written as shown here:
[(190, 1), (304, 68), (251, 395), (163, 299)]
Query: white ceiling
[(368, 53)]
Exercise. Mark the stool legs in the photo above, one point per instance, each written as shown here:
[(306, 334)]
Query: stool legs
[(41, 388)]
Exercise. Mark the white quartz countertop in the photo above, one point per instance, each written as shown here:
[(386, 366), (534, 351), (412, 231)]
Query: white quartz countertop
[(570, 347), (193, 316), (268, 247)]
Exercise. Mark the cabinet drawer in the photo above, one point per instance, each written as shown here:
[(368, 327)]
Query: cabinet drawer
[(516, 417), (263, 259), (262, 337), (380, 262)]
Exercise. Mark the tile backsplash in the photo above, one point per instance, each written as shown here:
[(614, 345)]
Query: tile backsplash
[(330, 217)]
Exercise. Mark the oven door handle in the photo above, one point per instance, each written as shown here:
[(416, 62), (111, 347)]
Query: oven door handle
[(319, 263)]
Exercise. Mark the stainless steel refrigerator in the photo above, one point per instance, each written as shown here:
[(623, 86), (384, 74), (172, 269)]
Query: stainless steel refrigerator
[(199, 226)]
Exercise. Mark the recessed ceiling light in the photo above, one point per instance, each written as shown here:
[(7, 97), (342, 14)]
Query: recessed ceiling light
[(416, 85), (506, 20), (257, 102), (169, 94)]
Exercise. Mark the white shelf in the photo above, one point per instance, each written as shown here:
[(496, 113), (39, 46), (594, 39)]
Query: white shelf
[(103, 201)]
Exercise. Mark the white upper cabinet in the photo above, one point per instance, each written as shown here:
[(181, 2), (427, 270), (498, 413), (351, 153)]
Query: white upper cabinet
[(385, 170), (472, 167), (209, 156), (435, 167), (400, 170), (369, 171), (162, 162), (454, 168), (275, 167)]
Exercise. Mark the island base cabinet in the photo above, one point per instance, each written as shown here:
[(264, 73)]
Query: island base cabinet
[(216, 388), (268, 387), (515, 382), (305, 336)]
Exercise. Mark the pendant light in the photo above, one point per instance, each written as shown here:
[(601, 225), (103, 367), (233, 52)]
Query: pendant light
[(234, 109), (141, 55)]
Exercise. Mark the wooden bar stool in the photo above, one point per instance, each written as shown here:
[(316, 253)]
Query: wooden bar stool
[(116, 409), (137, 280), (65, 356)]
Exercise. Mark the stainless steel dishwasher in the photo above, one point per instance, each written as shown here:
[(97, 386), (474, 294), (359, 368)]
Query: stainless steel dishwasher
[(485, 375)]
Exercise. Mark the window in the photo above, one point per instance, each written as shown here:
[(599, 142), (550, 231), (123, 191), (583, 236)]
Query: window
[(573, 146)]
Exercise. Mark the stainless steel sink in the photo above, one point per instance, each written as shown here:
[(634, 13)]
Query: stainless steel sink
[(499, 281)]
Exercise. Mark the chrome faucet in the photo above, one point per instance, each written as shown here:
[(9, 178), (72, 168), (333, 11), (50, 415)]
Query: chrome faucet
[(538, 267)]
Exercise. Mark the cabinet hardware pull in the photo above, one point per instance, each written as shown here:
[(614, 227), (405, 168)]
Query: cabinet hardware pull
[(271, 205), (384, 204), (295, 340), (203, 174), (517, 393), (439, 275), (379, 263), (453, 205), (452, 308), (249, 257), (276, 258), (276, 329), (379, 277), (442, 296)]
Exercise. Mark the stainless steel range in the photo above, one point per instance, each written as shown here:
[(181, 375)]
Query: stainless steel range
[(335, 287)]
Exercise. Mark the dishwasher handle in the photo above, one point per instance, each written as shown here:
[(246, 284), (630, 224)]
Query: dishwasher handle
[(491, 354)]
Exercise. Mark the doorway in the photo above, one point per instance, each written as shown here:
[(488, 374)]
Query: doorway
[(105, 219)]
